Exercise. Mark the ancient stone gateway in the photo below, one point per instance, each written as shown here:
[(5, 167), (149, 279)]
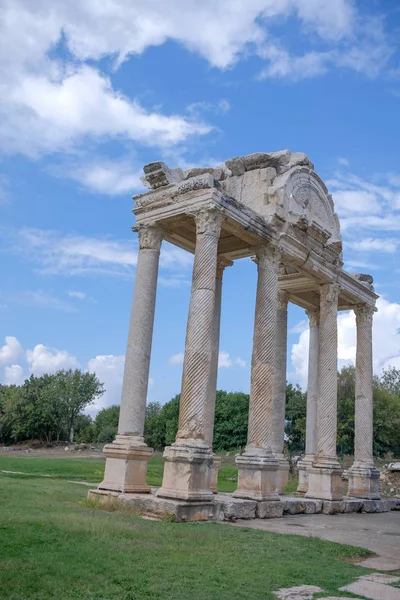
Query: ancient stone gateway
[(275, 208)]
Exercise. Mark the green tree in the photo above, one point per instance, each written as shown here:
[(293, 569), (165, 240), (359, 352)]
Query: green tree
[(231, 419), (75, 391), (106, 424), (295, 416)]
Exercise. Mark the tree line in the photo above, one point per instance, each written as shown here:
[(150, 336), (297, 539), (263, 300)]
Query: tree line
[(51, 408)]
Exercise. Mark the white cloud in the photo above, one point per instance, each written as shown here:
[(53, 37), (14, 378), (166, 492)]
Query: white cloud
[(387, 245), (14, 375), (240, 362), (10, 351), (43, 359), (104, 176), (109, 370), (76, 294), (176, 359), (386, 341), (70, 254), (343, 161), (356, 201)]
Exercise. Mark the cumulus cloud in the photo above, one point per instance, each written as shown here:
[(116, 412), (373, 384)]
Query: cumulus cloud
[(386, 341), (14, 375), (10, 351), (43, 359), (110, 370)]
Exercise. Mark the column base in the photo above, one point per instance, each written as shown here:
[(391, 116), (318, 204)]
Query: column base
[(282, 477), (303, 467), (216, 463), (257, 477), (364, 482), (126, 465), (187, 473), (325, 479)]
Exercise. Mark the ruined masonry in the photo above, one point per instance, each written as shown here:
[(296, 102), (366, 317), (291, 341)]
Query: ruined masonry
[(275, 208)]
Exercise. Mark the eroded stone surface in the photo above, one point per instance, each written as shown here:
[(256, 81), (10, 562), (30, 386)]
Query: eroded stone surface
[(269, 510), (301, 592), (373, 590)]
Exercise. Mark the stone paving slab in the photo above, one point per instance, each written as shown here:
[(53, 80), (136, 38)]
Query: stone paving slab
[(372, 590), (301, 592)]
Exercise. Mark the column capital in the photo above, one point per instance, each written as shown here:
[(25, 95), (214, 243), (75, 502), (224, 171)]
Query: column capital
[(364, 313), (221, 264), (267, 254), (313, 316), (208, 220), (150, 237), (329, 294), (283, 299)]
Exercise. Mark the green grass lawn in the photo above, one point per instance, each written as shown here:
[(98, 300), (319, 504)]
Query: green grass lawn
[(53, 546), (92, 469)]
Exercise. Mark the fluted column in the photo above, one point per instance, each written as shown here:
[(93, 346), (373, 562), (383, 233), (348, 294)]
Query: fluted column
[(363, 476), (127, 456), (257, 476), (279, 407), (312, 398), (325, 475), (187, 470), (222, 263)]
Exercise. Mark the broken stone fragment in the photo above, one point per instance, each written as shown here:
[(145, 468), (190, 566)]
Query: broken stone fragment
[(196, 171), (297, 159), (364, 277), (157, 175)]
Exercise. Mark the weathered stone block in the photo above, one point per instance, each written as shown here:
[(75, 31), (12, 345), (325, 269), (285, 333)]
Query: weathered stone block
[(235, 508), (269, 510), (375, 506)]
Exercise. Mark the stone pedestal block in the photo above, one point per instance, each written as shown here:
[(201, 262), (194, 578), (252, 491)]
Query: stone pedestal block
[(216, 463), (126, 465), (187, 473), (303, 467), (363, 482), (282, 476), (324, 482), (269, 509), (257, 477)]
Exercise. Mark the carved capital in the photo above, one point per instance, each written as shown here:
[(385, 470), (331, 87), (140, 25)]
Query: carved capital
[(267, 255), (221, 264), (283, 299), (329, 294), (364, 314), (150, 237), (313, 315), (208, 221)]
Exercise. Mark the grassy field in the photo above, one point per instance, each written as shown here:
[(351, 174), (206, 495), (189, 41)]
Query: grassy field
[(54, 546), (92, 469)]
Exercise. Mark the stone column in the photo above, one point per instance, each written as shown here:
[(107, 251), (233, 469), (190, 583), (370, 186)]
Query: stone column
[(127, 456), (258, 467), (324, 480), (312, 397), (187, 470), (221, 264), (278, 425), (363, 475)]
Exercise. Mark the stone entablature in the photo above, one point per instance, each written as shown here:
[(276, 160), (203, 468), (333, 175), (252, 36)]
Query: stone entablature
[(274, 207)]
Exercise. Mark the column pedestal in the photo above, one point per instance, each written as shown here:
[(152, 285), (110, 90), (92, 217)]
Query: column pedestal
[(216, 463), (126, 466), (304, 467), (325, 479), (364, 482), (282, 477), (187, 473), (257, 477)]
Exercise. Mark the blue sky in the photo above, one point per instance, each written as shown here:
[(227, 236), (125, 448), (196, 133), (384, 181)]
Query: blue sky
[(90, 92)]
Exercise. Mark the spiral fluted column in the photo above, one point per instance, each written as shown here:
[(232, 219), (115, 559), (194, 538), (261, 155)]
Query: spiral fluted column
[(279, 408), (127, 456), (222, 263), (363, 476), (187, 471), (324, 480), (312, 398), (257, 476)]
